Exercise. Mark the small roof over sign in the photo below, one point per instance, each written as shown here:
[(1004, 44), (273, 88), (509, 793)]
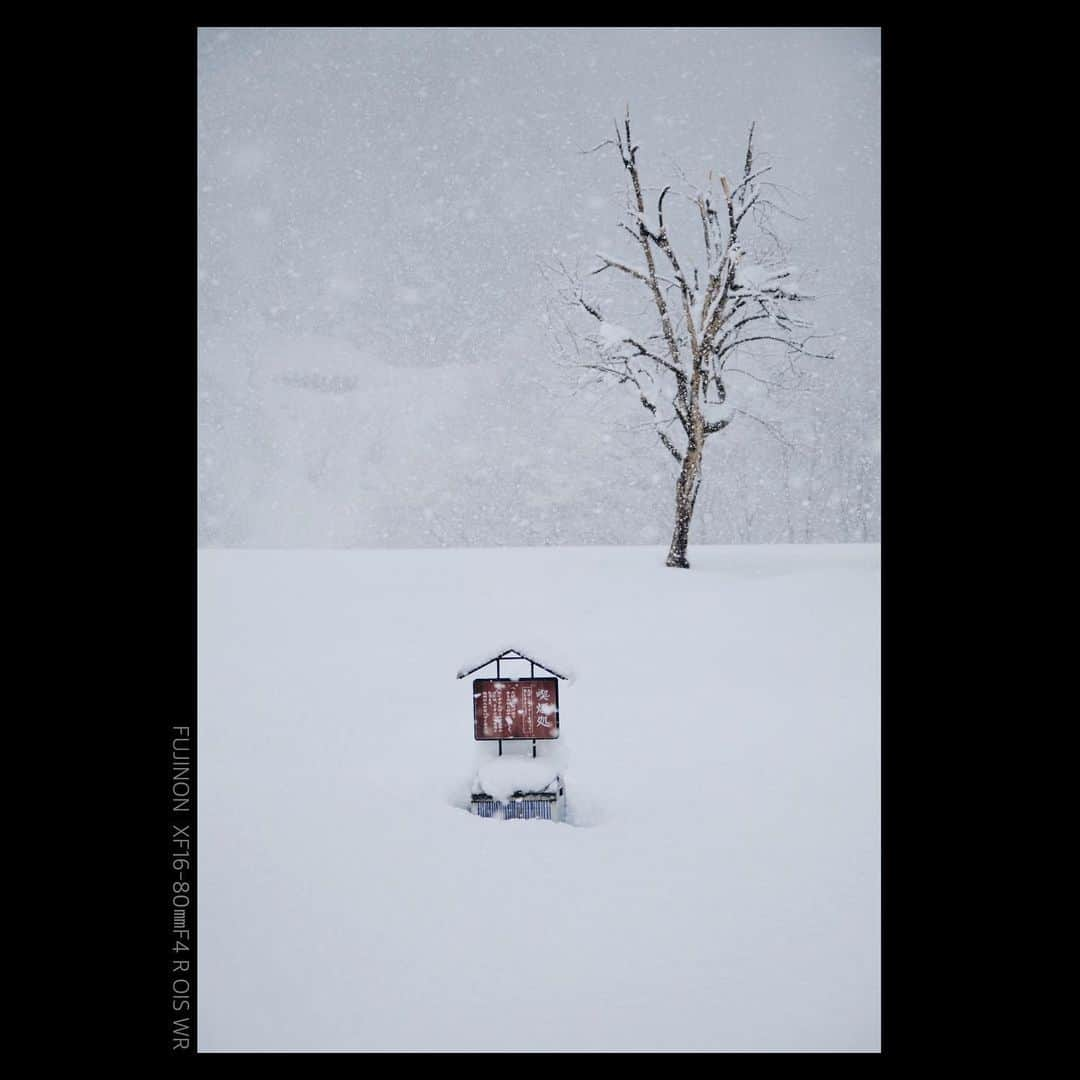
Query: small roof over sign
[(511, 654)]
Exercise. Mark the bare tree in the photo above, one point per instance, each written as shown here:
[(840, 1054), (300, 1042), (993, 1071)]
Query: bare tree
[(706, 306)]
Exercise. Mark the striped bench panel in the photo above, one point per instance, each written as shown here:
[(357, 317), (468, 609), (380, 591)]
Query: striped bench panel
[(514, 808)]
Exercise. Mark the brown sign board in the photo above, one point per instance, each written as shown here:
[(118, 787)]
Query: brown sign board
[(515, 709)]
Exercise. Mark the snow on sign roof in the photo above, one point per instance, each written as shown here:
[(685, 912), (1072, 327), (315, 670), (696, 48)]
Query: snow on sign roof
[(509, 654)]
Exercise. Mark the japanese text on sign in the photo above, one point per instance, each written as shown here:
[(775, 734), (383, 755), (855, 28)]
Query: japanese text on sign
[(516, 709)]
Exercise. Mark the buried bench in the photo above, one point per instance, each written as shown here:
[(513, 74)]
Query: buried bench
[(547, 805)]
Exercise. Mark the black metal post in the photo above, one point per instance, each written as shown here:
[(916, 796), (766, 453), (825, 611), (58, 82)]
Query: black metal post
[(500, 748), (534, 748)]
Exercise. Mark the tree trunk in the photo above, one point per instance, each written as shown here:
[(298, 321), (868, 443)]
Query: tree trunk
[(686, 491)]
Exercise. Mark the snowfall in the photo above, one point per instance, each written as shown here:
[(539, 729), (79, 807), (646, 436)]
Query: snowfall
[(716, 882)]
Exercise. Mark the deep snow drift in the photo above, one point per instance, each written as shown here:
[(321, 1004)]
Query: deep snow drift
[(716, 886)]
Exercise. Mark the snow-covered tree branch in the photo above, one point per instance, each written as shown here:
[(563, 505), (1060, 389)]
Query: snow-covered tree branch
[(714, 300)]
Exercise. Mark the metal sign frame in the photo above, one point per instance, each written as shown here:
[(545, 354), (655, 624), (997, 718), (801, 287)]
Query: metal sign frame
[(513, 654)]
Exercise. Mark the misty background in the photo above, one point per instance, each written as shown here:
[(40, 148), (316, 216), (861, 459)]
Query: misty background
[(375, 360)]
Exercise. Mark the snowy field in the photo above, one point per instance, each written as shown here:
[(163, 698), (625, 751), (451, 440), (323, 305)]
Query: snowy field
[(716, 884)]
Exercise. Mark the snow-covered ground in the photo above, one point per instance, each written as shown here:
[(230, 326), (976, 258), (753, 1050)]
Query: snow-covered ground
[(716, 885)]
